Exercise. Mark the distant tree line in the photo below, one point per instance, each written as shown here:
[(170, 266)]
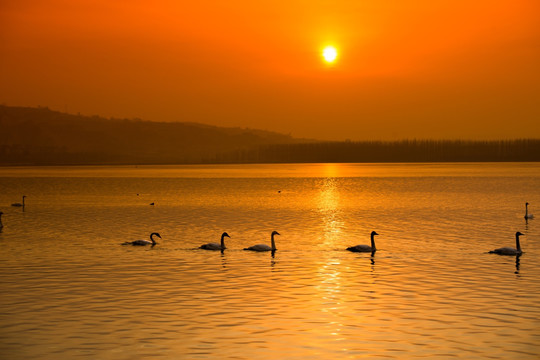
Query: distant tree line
[(389, 151), (361, 152)]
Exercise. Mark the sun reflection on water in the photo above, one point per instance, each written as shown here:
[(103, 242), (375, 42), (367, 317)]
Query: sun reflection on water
[(329, 209), (328, 206)]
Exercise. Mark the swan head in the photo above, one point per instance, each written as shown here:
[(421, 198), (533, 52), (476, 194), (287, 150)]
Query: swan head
[(526, 204), (519, 234), (275, 233), (225, 234), (156, 234), (373, 233)]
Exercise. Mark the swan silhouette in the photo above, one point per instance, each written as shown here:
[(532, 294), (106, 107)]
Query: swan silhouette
[(216, 246), (509, 250), (144, 242), (1, 225), (19, 204), (527, 215), (264, 247), (365, 248)]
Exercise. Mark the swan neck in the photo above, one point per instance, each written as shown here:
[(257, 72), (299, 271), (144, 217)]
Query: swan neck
[(373, 242), (222, 241), (526, 209), (273, 243), (152, 239), (518, 247)]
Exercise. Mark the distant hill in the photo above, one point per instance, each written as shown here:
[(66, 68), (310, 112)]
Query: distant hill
[(42, 136), (39, 136)]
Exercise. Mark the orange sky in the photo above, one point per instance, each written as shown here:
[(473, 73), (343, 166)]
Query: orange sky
[(406, 69)]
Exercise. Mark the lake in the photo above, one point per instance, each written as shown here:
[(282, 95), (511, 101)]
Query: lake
[(70, 290)]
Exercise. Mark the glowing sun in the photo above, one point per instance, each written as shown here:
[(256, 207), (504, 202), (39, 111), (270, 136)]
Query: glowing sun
[(329, 54)]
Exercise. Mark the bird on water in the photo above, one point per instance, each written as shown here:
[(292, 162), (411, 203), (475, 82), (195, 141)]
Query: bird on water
[(264, 247), (527, 215), (509, 250), (144, 242), (365, 248), (216, 246), (19, 204)]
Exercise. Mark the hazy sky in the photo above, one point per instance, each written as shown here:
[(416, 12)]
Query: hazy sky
[(405, 69)]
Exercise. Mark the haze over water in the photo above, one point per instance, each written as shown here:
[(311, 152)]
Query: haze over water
[(70, 290)]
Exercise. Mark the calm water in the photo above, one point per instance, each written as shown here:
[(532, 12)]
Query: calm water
[(69, 290)]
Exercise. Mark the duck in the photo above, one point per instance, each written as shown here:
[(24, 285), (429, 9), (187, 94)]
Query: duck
[(144, 242), (365, 248), (19, 204), (264, 247), (216, 246), (527, 215), (509, 250)]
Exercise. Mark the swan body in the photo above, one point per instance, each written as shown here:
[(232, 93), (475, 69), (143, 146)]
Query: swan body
[(216, 246), (365, 248), (19, 204), (527, 215), (264, 247), (509, 250), (144, 242)]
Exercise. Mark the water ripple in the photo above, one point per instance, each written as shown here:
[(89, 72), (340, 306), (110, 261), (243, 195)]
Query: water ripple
[(431, 290)]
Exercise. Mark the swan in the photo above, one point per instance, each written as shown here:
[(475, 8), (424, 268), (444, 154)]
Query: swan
[(527, 215), (215, 246), (264, 247), (19, 204), (365, 248), (144, 242), (509, 250)]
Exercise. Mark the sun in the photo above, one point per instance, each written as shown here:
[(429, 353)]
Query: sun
[(329, 54)]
